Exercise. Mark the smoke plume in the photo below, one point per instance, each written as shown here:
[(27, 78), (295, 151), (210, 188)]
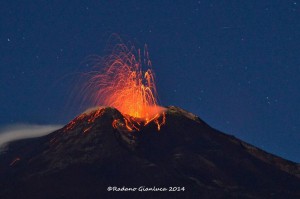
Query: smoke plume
[(22, 131)]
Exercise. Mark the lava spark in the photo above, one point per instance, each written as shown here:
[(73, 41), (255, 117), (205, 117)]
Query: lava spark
[(123, 84)]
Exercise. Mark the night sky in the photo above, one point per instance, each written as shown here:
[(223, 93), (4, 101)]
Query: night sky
[(236, 64)]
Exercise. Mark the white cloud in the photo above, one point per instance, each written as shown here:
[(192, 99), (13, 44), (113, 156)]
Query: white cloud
[(22, 131)]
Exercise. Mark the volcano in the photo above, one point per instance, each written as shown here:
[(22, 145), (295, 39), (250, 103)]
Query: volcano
[(96, 151)]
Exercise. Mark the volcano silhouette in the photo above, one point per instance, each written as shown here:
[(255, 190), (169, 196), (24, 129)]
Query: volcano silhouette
[(88, 155)]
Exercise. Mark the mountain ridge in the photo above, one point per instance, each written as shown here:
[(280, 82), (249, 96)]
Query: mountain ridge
[(185, 152)]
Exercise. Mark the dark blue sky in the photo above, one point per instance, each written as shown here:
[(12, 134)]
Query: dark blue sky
[(236, 64)]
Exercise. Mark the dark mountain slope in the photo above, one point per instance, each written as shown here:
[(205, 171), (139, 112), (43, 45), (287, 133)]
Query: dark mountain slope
[(88, 155)]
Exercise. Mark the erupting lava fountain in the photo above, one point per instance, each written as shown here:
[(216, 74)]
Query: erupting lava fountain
[(119, 81)]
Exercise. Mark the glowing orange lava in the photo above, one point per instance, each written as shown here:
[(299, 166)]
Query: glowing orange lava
[(124, 85), (15, 161)]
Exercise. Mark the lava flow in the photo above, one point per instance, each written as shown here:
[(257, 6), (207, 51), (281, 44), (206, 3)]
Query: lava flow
[(124, 85)]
